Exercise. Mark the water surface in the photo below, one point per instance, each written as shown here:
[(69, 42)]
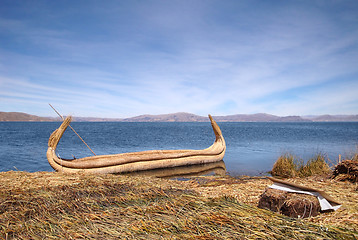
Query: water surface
[(252, 148)]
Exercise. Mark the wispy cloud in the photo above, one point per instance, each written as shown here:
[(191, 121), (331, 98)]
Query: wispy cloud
[(122, 59)]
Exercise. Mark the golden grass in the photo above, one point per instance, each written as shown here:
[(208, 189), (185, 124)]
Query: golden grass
[(54, 205), (288, 166), (314, 166), (285, 166)]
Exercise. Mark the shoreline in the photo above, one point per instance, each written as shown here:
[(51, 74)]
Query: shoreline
[(52, 204)]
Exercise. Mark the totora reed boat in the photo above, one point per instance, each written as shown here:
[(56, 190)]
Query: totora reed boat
[(134, 161)]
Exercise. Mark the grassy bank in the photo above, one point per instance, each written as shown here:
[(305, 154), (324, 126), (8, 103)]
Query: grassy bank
[(53, 205)]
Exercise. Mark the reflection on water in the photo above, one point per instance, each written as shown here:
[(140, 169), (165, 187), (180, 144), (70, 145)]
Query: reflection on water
[(216, 168)]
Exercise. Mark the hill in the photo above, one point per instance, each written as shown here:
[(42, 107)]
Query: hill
[(173, 117), (22, 117), (334, 118), (187, 117), (258, 117)]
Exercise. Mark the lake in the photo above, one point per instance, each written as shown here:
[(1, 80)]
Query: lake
[(252, 147)]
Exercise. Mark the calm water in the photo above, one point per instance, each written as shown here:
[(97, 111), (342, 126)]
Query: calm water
[(252, 148)]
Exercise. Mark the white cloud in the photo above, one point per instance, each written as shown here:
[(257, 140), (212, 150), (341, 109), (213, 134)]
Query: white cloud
[(199, 57)]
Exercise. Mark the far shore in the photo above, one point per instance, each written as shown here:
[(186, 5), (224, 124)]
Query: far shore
[(183, 117)]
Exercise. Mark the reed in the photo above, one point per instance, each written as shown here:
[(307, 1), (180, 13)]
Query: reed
[(288, 165), (355, 155), (36, 206), (347, 170), (285, 166), (314, 166)]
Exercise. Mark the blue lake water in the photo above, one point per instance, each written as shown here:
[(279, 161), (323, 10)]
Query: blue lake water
[(252, 148)]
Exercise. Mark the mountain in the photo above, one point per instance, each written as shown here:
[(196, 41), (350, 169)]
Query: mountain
[(258, 117), (173, 117), (187, 117), (19, 117), (333, 118), (95, 119)]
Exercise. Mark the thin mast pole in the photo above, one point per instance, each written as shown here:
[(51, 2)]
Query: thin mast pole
[(72, 129)]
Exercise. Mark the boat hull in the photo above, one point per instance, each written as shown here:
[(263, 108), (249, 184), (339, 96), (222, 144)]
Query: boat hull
[(135, 161)]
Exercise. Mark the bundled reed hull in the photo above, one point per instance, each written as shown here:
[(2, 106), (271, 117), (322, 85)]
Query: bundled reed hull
[(135, 161)]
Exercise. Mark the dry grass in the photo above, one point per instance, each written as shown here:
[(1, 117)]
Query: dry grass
[(355, 156), (285, 166), (314, 166), (53, 205), (288, 166)]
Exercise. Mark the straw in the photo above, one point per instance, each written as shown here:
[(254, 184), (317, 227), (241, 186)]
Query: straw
[(54, 205)]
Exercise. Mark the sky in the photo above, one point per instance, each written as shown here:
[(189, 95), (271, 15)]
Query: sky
[(126, 58)]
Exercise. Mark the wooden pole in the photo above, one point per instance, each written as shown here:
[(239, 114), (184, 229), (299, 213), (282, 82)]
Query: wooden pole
[(72, 129)]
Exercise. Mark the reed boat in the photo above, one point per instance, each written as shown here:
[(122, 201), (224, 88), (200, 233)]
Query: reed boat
[(134, 161)]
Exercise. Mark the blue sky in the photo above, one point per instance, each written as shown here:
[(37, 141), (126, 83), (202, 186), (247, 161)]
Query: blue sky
[(126, 58)]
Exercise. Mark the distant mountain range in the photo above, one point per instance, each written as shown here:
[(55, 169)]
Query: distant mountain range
[(187, 117)]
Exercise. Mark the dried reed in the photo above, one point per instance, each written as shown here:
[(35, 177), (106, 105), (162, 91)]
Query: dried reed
[(53, 205), (288, 165), (285, 166), (314, 166)]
